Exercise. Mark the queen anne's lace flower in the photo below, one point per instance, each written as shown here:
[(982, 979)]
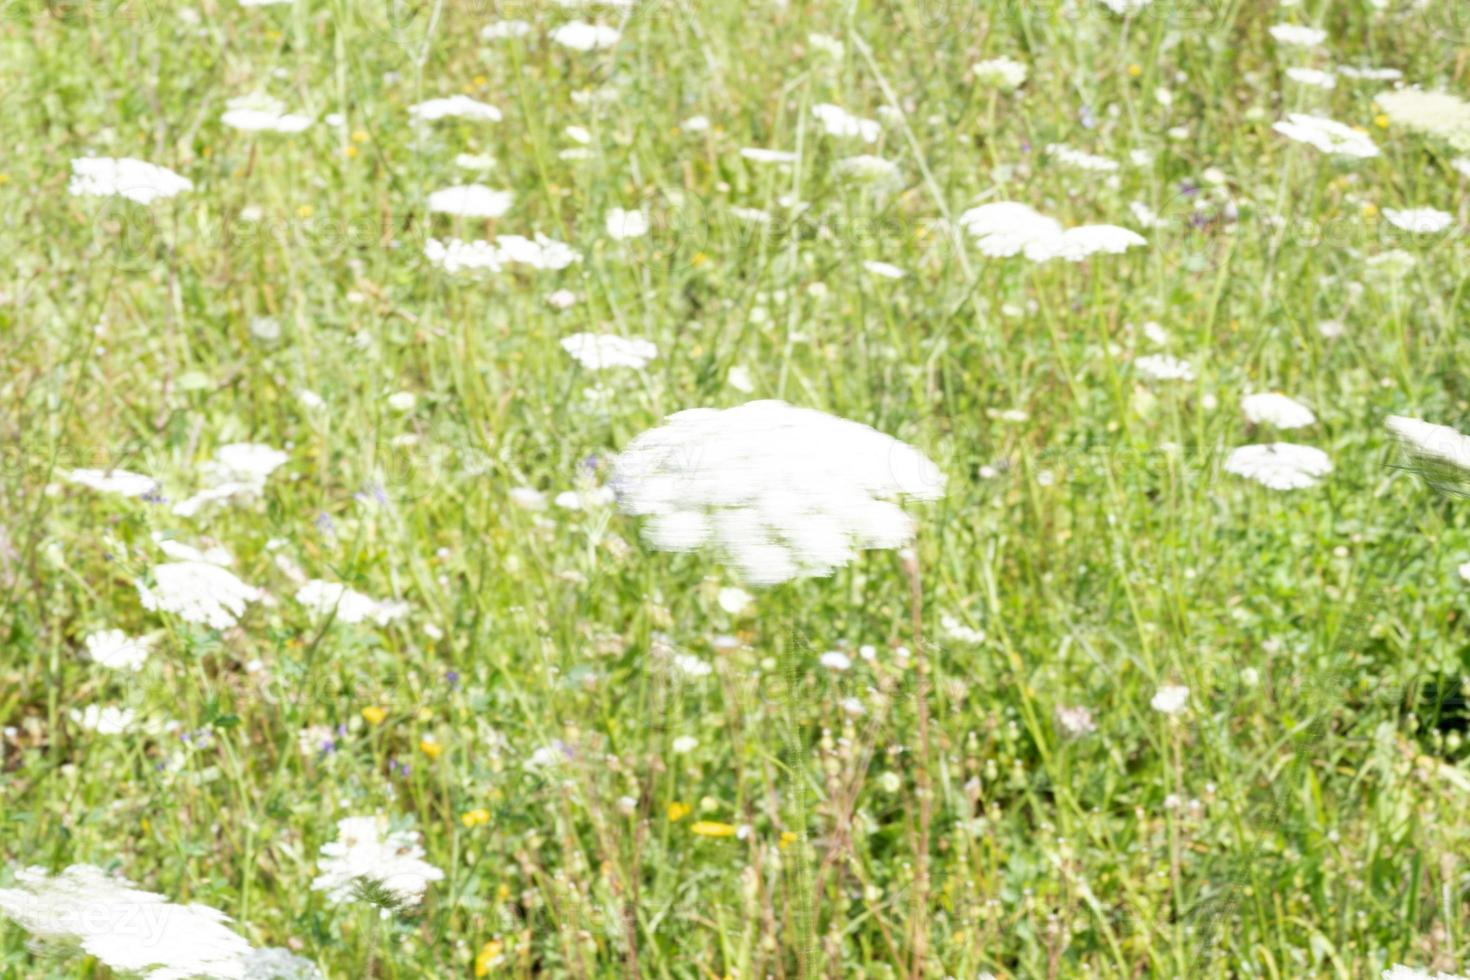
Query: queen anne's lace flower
[(1326, 135), (123, 482), (197, 592), (1280, 465), (1276, 409), (1437, 114), (623, 224), (261, 113), (782, 492), (104, 719), (367, 853), (759, 154), (1296, 36), (1073, 157), (329, 598), (239, 469), (1438, 443), (1007, 228), (134, 931), (126, 177), (1423, 221), (454, 255), (116, 650), (1163, 367), (837, 121), (471, 201), (454, 107), (581, 36), (596, 352), (1003, 73)]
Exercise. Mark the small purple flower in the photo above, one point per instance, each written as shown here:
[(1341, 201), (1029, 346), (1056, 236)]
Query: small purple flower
[(1200, 220), (452, 678), (1188, 188), (1025, 146), (342, 730), (325, 525), (591, 463), (154, 496), (328, 746), (1086, 118)]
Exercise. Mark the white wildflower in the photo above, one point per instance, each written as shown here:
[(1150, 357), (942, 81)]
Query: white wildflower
[(783, 492), (456, 107), (471, 201), (261, 113), (197, 592), (126, 177), (837, 121), (116, 650), (1003, 73), (123, 482), (622, 225), (347, 606), (1272, 408), (1422, 221), (1163, 367), (1326, 135), (597, 352), (1296, 36), (366, 852), (581, 36), (104, 720), (1170, 699), (1279, 465)]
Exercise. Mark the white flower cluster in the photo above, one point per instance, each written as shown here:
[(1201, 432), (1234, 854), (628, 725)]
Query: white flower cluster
[(837, 121), (262, 114), (239, 469), (1279, 465), (1273, 408), (783, 492), (471, 201), (1437, 443), (134, 931), (454, 255), (1327, 135), (597, 352), (366, 852), (197, 592), (1003, 73), (328, 598), (454, 107), (123, 482), (115, 650), (1007, 228), (135, 180)]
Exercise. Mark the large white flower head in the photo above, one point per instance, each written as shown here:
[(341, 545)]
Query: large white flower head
[(1163, 367), (1081, 160), (622, 225), (454, 107), (262, 114), (116, 650), (197, 592), (326, 598), (581, 36), (1421, 221), (597, 352), (1297, 36), (1400, 972), (128, 929), (123, 482), (104, 719), (781, 492), (1280, 465), (239, 469), (1326, 135), (366, 855), (1006, 74), (1273, 408), (471, 201), (837, 121), (1437, 114), (453, 255), (1435, 443), (135, 180), (1007, 228)]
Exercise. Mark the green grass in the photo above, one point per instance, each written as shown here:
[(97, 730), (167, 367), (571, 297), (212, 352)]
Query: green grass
[(1314, 834)]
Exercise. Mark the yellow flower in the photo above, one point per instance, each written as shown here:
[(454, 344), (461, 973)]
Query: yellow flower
[(1134, 71), (712, 828), (305, 211), (502, 893), (678, 811), (487, 956), (374, 714), (475, 818), (1381, 121), (359, 136), (4, 178), (1370, 210), (481, 80), (430, 747), (787, 839), (147, 827), (351, 152), (699, 259)]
